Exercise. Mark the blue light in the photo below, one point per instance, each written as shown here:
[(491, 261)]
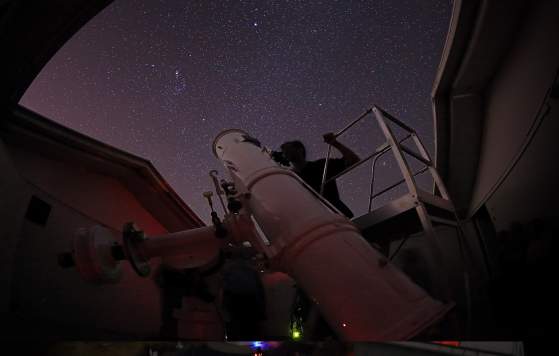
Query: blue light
[(256, 344)]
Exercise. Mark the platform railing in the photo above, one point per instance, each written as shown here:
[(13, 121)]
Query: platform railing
[(391, 144)]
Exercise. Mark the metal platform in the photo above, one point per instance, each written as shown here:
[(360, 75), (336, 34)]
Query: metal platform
[(400, 218), (413, 212)]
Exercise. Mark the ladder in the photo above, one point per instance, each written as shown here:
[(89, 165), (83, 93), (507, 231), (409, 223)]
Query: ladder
[(432, 210), (414, 212)]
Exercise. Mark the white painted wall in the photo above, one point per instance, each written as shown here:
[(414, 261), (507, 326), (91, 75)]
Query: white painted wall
[(101, 197), (512, 102), (44, 290), (78, 198)]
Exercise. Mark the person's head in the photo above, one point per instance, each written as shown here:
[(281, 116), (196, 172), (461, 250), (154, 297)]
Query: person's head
[(294, 151)]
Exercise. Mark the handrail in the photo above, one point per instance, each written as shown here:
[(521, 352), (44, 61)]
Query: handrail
[(339, 133), (367, 112), (422, 170), (395, 120), (371, 188), (415, 155), (380, 150)]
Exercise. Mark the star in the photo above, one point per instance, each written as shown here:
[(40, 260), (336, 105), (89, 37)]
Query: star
[(211, 66)]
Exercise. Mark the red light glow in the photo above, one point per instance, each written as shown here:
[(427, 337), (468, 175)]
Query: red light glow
[(448, 343)]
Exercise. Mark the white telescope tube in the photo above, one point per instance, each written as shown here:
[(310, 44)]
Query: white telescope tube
[(360, 294)]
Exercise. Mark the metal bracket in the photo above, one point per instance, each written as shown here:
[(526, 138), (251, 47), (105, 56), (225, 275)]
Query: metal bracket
[(131, 237)]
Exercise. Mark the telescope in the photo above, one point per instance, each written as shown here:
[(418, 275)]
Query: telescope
[(360, 294)]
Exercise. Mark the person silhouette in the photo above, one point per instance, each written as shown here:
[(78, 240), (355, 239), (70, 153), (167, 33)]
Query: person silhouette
[(311, 171)]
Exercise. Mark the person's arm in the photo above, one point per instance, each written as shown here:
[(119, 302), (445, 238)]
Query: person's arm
[(350, 157)]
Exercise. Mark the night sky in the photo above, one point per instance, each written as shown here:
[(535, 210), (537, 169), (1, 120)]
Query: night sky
[(161, 79)]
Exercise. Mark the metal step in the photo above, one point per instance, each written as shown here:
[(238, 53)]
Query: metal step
[(390, 221), (440, 221), (399, 218), (434, 200)]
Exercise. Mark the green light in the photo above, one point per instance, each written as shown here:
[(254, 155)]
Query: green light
[(296, 327)]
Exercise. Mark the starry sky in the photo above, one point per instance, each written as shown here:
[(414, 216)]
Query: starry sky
[(161, 79)]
